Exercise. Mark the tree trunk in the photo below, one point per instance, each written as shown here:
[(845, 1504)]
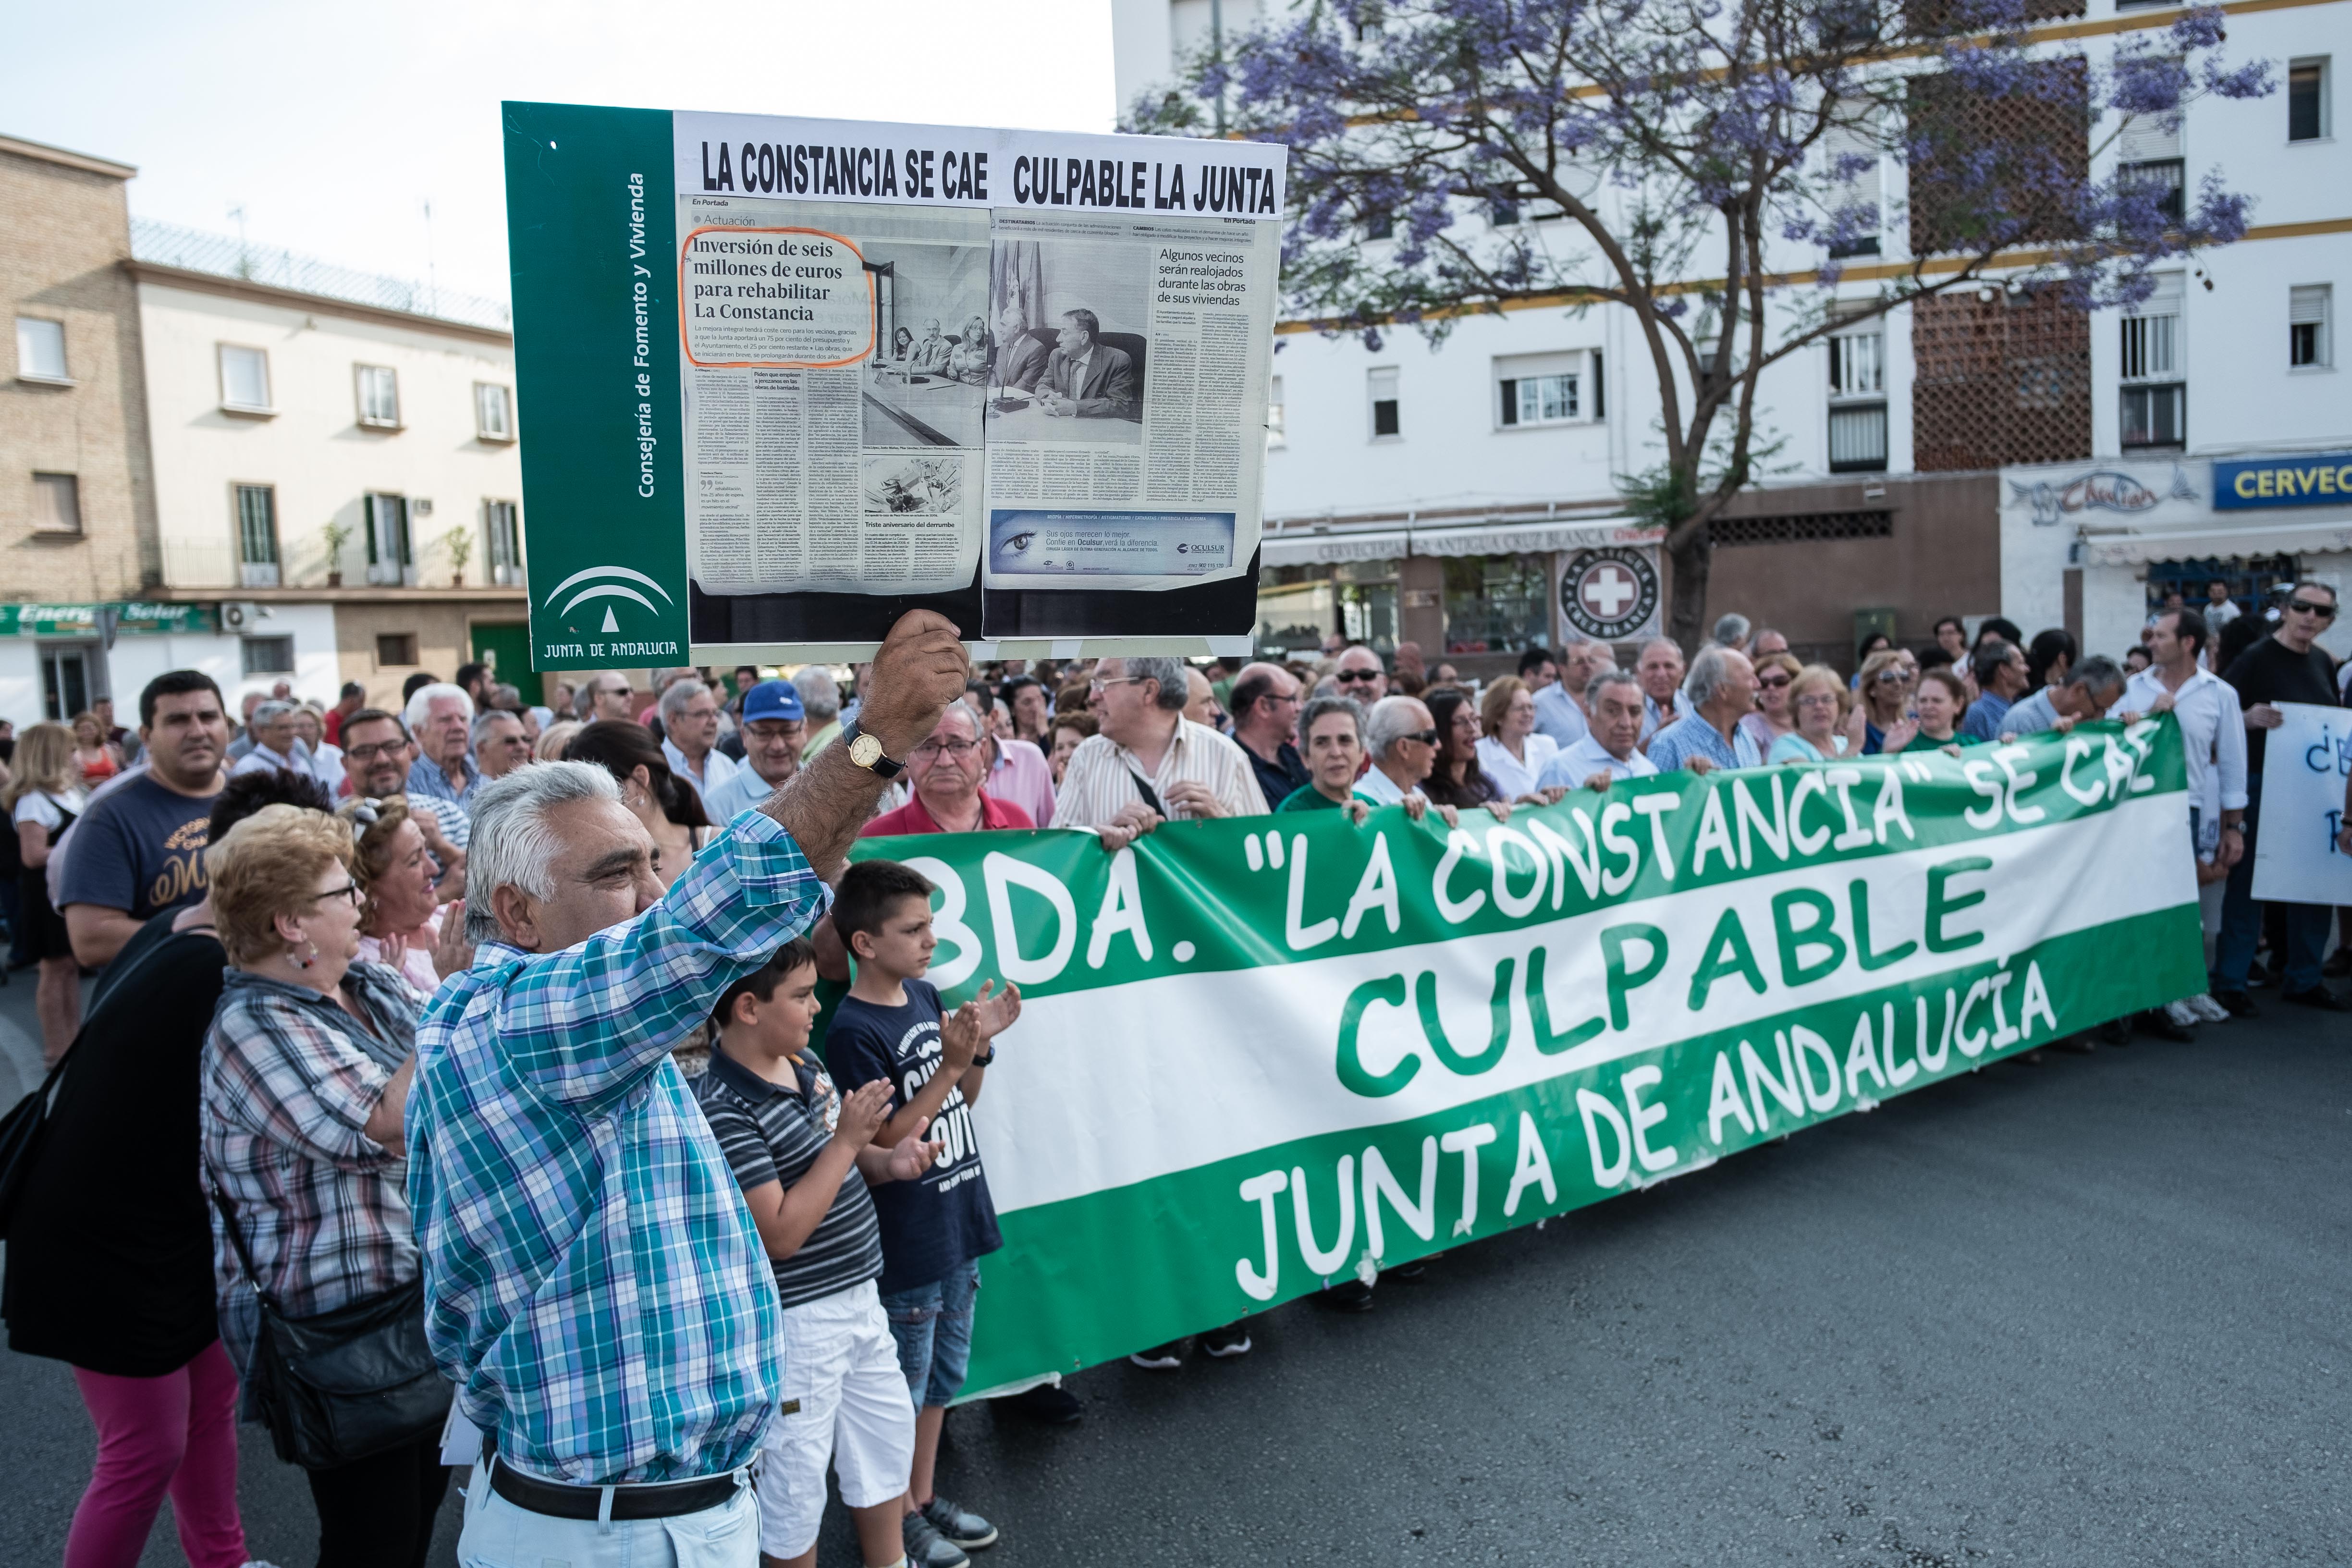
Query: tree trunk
[(1686, 608)]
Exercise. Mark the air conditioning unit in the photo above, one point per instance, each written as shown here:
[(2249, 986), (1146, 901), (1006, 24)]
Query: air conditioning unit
[(240, 614)]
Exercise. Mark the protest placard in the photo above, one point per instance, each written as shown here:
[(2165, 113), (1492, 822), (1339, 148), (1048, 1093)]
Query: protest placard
[(782, 380), (2309, 756)]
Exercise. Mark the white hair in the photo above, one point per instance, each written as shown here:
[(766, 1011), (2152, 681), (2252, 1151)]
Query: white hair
[(488, 717), (420, 706), (1392, 718), (819, 692), (1709, 672), (513, 845), (273, 710), (1167, 670)]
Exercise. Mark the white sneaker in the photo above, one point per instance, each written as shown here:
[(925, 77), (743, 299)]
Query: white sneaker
[(2182, 1014), (2205, 1008)]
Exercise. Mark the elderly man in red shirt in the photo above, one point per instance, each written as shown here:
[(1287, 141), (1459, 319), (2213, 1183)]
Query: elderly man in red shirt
[(946, 771)]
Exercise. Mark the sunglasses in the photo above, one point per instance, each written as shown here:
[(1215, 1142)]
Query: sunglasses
[(2325, 612), (1885, 676), (1426, 737), (1348, 675), (1774, 682)]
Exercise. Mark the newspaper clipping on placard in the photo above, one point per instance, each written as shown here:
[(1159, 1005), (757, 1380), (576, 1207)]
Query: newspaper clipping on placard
[(910, 355)]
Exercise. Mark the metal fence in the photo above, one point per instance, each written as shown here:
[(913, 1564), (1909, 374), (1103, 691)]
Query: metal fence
[(168, 245)]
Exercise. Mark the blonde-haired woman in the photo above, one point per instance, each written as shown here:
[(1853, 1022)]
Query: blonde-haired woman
[(1509, 749), (556, 740), (44, 797), (305, 1075), (402, 917), (1817, 698)]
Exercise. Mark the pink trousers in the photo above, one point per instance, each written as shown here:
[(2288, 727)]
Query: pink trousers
[(174, 1433)]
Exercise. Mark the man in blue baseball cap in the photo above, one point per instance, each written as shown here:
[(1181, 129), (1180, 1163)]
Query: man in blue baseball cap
[(772, 727)]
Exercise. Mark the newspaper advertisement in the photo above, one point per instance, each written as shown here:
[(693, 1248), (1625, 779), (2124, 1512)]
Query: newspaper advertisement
[(915, 360)]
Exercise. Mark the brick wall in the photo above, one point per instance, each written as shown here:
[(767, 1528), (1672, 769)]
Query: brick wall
[(65, 233)]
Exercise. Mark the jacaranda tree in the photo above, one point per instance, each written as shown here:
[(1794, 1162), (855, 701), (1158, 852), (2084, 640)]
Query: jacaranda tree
[(1703, 164)]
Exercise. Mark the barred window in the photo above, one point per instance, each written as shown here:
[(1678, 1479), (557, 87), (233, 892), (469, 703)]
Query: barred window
[(1803, 527)]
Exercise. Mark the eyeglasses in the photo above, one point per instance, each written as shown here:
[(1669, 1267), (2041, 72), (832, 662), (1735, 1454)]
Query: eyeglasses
[(1885, 676), (2325, 612), (956, 748), (369, 753), (348, 890), (1350, 676), (1098, 685)]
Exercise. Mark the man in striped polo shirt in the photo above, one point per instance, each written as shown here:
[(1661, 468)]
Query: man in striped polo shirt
[(803, 1154)]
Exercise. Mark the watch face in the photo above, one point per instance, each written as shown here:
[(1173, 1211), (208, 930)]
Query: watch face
[(865, 750)]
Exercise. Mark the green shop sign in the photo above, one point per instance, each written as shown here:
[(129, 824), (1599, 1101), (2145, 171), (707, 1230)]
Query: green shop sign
[(133, 617)]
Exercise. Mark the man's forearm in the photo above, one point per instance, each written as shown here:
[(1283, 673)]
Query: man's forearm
[(97, 933), (822, 806)]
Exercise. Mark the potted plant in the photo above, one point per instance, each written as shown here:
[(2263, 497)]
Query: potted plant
[(337, 535), (460, 542)]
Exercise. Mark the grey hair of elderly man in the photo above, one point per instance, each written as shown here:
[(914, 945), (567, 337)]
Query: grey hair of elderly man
[(1710, 672), (1612, 676), (1391, 720), (270, 711), (819, 693), (1170, 672), (1730, 630), (486, 721), (513, 845), (677, 694)]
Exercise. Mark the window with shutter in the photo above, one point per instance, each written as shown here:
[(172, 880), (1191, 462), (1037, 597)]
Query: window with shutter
[(243, 379), (256, 536), (1382, 385), (40, 348), (1850, 162), (2155, 397), (2309, 305)]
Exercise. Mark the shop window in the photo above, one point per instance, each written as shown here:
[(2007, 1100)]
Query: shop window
[(1498, 603)]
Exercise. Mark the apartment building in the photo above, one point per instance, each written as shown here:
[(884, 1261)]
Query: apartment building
[(1465, 497), (241, 462), (336, 471)]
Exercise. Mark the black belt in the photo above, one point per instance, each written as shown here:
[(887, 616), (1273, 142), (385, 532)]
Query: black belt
[(660, 1500)]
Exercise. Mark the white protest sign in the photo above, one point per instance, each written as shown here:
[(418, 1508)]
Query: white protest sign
[(2306, 761)]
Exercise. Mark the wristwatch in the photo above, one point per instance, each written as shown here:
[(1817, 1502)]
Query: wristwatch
[(867, 752)]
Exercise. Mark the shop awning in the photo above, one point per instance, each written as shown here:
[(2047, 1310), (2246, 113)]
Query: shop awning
[(1532, 538), (2316, 536), (1329, 549)]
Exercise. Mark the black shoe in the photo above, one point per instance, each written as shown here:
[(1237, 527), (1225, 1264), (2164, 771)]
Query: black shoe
[(1347, 1296), (2116, 1032), (959, 1526), (1233, 1340), (2259, 976), (2156, 1022), (1416, 1270), (1161, 1358), (926, 1547), (1047, 1405), (2318, 996), (2239, 1004)]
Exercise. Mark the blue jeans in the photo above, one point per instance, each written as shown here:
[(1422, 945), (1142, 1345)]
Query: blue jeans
[(2241, 919), (932, 1324)]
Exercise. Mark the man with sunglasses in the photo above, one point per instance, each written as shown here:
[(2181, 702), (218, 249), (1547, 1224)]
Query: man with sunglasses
[(2285, 667), (1361, 675)]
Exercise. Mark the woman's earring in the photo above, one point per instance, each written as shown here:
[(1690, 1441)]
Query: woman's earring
[(300, 962)]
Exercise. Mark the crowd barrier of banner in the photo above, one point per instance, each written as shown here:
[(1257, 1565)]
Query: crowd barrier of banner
[(1261, 1055)]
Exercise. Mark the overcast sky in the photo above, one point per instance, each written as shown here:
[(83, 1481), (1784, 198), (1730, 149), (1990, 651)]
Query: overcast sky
[(332, 126)]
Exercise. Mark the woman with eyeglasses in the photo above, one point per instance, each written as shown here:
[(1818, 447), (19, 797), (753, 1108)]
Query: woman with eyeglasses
[(1773, 717), (305, 1076), (1510, 752), (947, 773), (1456, 779), (1817, 698)]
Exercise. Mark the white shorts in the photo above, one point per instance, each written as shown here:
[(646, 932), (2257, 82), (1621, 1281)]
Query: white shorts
[(845, 1400)]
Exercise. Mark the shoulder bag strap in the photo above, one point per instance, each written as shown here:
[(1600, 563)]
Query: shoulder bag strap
[(1143, 787), (236, 1243)]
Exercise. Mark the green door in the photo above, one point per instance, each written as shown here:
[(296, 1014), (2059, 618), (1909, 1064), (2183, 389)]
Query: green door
[(504, 646)]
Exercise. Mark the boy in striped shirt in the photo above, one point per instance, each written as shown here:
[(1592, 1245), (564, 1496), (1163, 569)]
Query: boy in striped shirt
[(804, 1155)]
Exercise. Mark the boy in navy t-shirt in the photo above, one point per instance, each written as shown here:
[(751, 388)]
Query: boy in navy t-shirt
[(935, 1227)]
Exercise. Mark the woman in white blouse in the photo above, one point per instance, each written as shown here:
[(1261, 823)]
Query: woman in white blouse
[(43, 798), (1511, 753)]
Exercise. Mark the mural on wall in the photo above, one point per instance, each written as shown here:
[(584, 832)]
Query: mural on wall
[(2101, 490)]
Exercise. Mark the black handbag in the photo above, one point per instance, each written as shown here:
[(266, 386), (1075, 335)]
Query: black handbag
[(339, 1386)]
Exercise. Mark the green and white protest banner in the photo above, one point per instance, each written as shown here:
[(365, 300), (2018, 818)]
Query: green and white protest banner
[(1259, 1055)]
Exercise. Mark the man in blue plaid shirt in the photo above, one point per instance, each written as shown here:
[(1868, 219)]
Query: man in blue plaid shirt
[(593, 1284)]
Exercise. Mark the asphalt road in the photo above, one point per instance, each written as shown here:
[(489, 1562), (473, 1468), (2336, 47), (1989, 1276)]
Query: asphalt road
[(2094, 1311)]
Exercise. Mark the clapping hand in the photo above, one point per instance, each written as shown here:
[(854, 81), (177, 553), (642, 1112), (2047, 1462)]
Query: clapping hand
[(991, 1014), (910, 1157), (452, 949), (864, 1109)]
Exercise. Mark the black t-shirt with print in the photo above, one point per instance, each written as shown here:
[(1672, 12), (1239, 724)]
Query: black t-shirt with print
[(936, 1224)]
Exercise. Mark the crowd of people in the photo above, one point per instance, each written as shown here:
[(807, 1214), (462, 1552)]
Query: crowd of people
[(498, 1019)]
